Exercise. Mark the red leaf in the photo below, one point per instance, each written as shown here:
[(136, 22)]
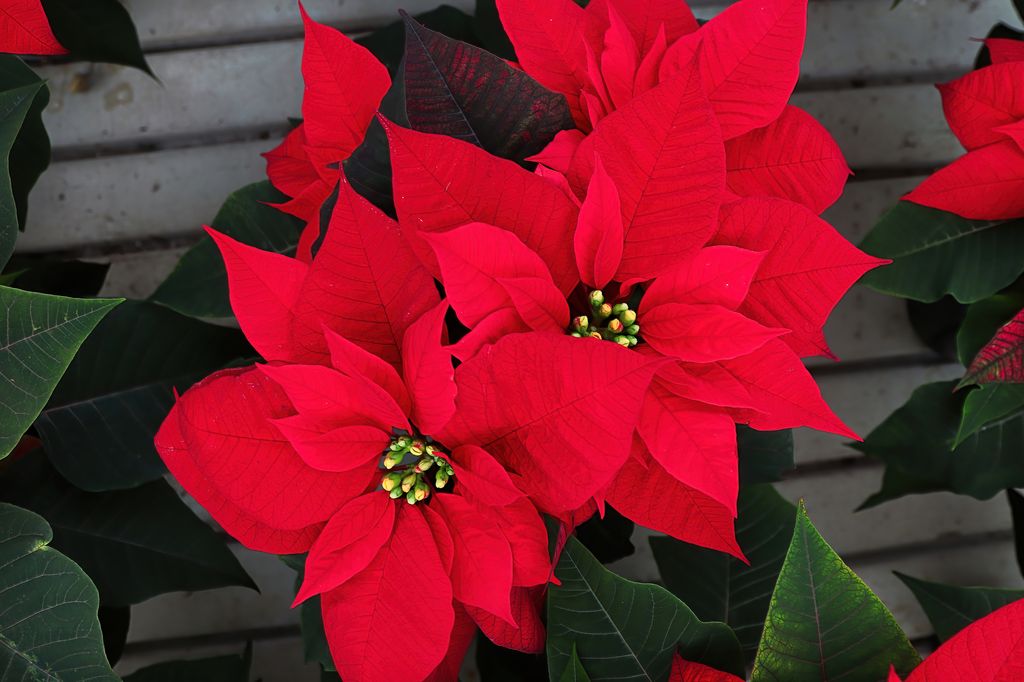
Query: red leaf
[(620, 59), (226, 425), (365, 283), (599, 232), (350, 359), (984, 184), (550, 38), (1003, 50), (647, 75), (646, 17), (174, 450), (1014, 131), (540, 305), (344, 85), (749, 60), (441, 183), (793, 157), (475, 260), (782, 391), (664, 153), (982, 100), (333, 448), (807, 269), (24, 29), (459, 90), (1002, 358), (702, 332), (463, 633), (481, 573), (651, 497), (719, 275), (686, 671), (696, 444), (527, 536), (348, 543), (490, 330), (289, 168), (557, 155), (539, 403), (363, 617), (429, 374), (529, 636), (709, 384), (988, 650), (893, 677), (482, 478), (263, 288)]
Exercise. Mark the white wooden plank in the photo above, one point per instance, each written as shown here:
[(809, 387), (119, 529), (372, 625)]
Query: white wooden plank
[(139, 196), (863, 399), (274, 660), (257, 87), (163, 24), (137, 275), (920, 37)]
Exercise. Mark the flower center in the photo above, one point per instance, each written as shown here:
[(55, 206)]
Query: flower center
[(414, 468), (609, 322)]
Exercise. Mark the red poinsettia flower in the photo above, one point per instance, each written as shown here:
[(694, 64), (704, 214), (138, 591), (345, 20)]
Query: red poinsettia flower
[(985, 110), (328, 449), (724, 293), (344, 86), (24, 29), (687, 671), (988, 650)]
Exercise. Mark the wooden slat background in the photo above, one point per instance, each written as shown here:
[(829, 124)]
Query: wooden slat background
[(140, 166)]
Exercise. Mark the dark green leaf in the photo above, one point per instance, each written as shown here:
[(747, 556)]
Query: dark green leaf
[(1017, 512), (983, 320), (574, 671), (719, 587), (216, 669), (987, 404), (764, 455), (198, 286), (40, 336), (950, 608), (935, 253), (115, 621), (59, 277), (368, 169), (622, 629), (314, 638), (134, 544), (387, 43), (96, 31), (30, 154), (487, 26), (607, 538), (49, 623), (497, 664), (461, 91), (824, 623), (15, 105), (915, 443), (99, 425)]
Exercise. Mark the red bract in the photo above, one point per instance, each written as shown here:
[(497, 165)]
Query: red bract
[(286, 456), (686, 671), (24, 29), (1002, 358), (988, 650), (985, 110), (344, 86)]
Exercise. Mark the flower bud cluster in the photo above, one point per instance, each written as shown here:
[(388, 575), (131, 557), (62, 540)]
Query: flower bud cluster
[(607, 321), (414, 469)]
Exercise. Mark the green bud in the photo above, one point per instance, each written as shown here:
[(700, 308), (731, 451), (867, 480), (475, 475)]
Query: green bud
[(615, 327), (408, 482), (396, 493), (417, 448), (421, 491), (410, 497), (432, 450), (596, 298), (627, 317), (441, 478), (576, 335), (391, 481), (581, 323), (622, 341), (619, 308), (604, 310), (633, 340), (424, 464), (393, 459), (595, 335), (633, 329)]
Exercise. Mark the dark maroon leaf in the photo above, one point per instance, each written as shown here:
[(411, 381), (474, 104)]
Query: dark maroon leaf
[(455, 89)]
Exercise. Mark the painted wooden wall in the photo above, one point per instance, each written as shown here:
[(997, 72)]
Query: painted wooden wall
[(140, 166)]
